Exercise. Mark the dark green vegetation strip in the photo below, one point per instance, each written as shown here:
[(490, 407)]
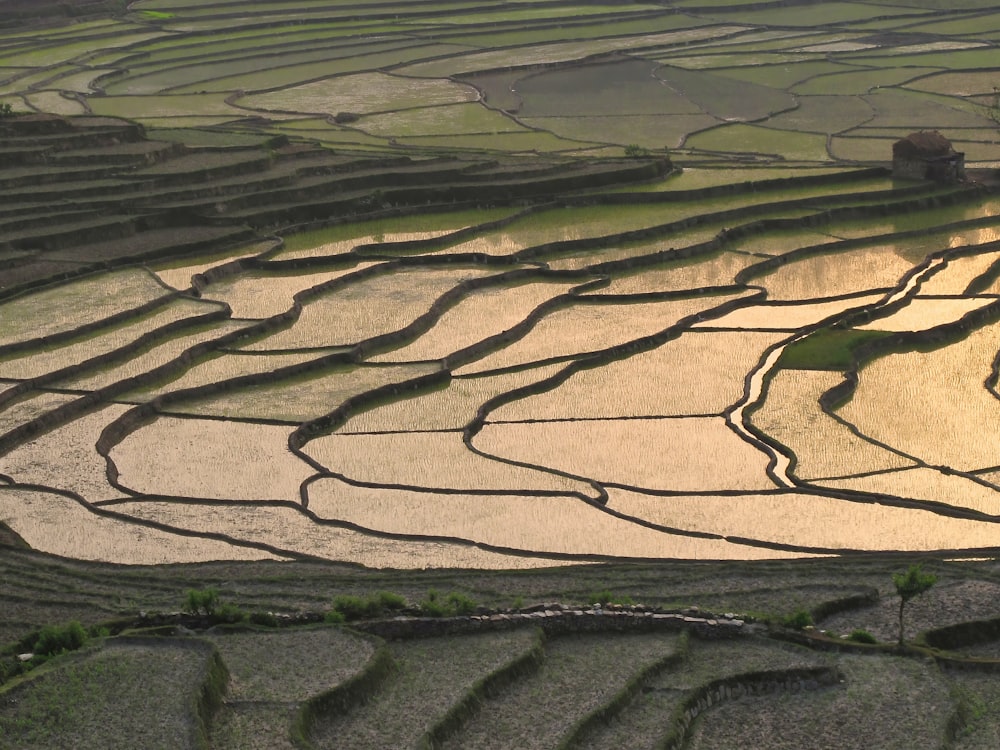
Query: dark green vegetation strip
[(827, 349)]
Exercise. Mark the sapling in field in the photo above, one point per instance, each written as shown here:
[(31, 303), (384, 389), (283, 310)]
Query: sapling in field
[(912, 583)]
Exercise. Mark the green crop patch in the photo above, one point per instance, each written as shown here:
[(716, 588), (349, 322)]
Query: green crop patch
[(827, 349)]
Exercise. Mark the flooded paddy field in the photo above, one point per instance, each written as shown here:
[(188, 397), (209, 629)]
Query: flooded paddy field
[(764, 346)]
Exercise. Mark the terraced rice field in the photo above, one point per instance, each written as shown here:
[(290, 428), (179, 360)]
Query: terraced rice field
[(470, 328)]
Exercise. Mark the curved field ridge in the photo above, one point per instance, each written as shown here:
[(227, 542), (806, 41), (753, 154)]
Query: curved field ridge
[(445, 285)]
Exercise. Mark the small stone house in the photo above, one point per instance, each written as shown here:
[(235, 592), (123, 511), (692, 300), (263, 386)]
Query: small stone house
[(927, 155)]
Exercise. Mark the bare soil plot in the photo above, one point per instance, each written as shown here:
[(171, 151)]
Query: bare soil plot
[(289, 666), (646, 721)]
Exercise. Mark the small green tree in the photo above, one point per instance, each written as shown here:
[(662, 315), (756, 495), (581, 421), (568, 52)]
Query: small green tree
[(912, 583)]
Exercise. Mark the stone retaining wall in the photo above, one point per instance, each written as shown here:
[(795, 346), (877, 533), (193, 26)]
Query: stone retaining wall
[(558, 619)]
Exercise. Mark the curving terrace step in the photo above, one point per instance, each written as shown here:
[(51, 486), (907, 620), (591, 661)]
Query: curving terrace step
[(134, 154), (100, 181), (432, 677)]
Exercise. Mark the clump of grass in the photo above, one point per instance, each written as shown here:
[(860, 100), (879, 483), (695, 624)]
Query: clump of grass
[(58, 639), (799, 620), (206, 602), (450, 605), (348, 607), (862, 636), (201, 601)]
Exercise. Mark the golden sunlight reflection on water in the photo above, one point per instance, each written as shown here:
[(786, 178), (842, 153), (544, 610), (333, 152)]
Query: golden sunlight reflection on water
[(542, 524), (922, 402), (646, 403), (61, 526), (691, 454), (803, 519)]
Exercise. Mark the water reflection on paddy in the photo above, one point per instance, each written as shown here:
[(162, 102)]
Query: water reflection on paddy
[(810, 520), (786, 317), (345, 237), (592, 327), (301, 398), (695, 374), (152, 358), (432, 460), (921, 313), (367, 308), (178, 273), (836, 274), (66, 458), (955, 277), (710, 270), (57, 525), (541, 524), (64, 307), (26, 409), (449, 408), (823, 447), (923, 403), (484, 313), (207, 458), (261, 295), (686, 455), (39, 362), (779, 243), (288, 529), (927, 484), (223, 367)]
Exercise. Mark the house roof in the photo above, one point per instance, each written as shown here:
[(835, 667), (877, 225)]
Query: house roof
[(923, 144)]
